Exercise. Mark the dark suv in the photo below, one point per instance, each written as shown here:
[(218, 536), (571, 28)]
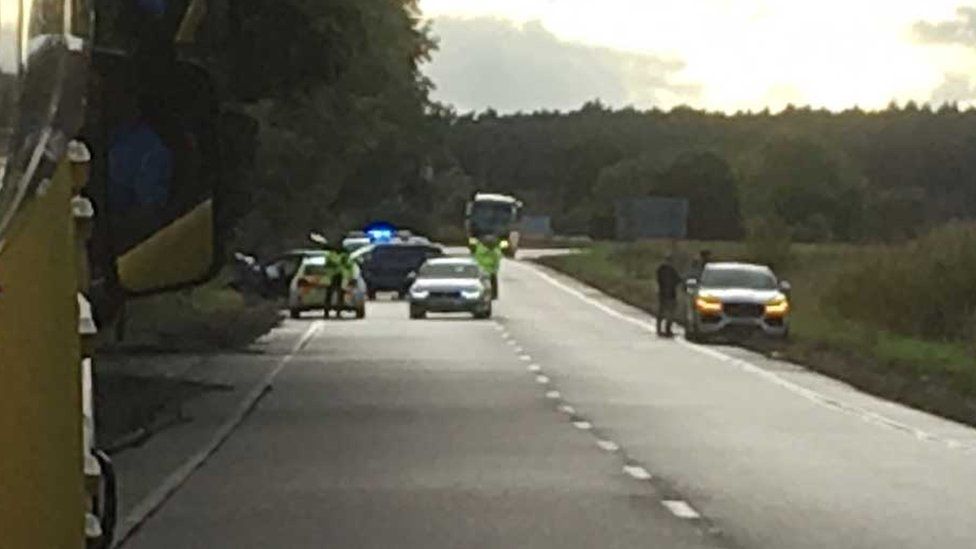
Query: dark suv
[(388, 267)]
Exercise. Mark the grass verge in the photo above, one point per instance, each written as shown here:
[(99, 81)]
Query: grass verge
[(206, 318), (935, 375)]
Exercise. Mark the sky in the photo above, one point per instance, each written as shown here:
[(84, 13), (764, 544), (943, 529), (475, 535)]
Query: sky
[(724, 55)]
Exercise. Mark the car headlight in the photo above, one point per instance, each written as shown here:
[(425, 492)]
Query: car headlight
[(708, 304), (778, 306), (472, 294), (419, 294)]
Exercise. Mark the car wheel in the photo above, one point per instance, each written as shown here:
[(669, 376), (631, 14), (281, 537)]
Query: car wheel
[(295, 313), (371, 294), (402, 295), (417, 312)]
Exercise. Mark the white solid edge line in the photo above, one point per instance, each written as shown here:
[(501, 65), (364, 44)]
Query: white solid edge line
[(818, 398), (681, 509), (155, 499), (637, 472)]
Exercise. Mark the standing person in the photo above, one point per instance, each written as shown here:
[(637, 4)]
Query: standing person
[(668, 281), (488, 255), (698, 265), (333, 273)]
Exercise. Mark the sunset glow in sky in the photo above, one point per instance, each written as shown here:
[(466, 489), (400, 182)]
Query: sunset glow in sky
[(715, 54)]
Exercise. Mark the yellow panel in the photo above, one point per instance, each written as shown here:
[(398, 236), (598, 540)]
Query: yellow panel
[(180, 253), (41, 480)]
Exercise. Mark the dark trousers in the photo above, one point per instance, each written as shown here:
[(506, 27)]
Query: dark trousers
[(494, 285), (333, 295), (667, 307)]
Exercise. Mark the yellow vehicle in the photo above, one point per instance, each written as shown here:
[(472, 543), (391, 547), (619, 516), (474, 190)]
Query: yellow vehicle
[(81, 118)]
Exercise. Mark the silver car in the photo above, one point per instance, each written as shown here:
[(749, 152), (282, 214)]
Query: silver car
[(450, 285), (737, 299)]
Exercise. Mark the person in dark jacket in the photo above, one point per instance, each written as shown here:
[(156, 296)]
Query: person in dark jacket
[(668, 281)]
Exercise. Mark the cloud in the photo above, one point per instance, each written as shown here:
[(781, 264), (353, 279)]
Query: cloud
[(486, 62), (956, 88), (961, 30)]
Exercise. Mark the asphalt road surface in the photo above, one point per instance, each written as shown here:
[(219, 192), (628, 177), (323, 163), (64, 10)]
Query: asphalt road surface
[(564, 423)]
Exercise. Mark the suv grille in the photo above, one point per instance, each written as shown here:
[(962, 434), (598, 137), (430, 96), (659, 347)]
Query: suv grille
[(744, 310), (445, 295)]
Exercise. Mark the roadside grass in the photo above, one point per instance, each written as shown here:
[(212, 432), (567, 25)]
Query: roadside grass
[(937, 374), (206, 318)]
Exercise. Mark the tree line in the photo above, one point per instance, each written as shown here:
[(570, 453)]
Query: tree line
[(822, 176), (329, 125)]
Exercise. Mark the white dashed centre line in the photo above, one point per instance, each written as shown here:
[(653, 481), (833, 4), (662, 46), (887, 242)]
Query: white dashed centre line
[(542, 380), (637, 472), (535, 368), (567, 409), (681, 509), (583, 425), (553, 395), (607, 445), (525, 358)]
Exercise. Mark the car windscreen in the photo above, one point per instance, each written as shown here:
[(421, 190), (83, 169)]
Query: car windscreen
[(314, 267), (401, 256), (449, 270), (750, 279), (492, 215)]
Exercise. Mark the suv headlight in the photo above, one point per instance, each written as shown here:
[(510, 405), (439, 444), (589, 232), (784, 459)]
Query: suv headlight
[(472, 294), (708, 304), (778, 306), (419, 294)]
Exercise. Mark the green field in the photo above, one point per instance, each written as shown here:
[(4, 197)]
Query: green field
[(932, 372)]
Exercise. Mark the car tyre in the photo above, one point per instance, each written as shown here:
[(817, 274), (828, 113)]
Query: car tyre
[(295, 313), (417, 312), (371, 294)]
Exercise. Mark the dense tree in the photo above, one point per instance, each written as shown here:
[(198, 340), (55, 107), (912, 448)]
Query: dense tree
[(851, 175)]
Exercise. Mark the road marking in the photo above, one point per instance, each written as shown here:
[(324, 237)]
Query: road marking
[(583, 425), (567, 409), (511, 343), (155, 499), (525, 358), (519, 350), (553, 395), (818, 398), (535, 368), (542, 380), (681, 509), (608, 445), (637, 472)]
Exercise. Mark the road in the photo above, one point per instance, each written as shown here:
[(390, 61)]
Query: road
[(541, 427)]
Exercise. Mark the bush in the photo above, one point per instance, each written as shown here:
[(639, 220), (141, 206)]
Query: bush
[(769, 241), (924, 288), (208, 317)]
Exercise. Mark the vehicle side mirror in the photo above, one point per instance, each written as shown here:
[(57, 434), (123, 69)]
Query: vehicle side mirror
[(691, 285), (785, 287), (156, 176)]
